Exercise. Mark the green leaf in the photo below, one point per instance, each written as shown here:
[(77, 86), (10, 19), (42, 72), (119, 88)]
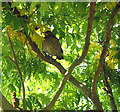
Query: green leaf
[(6, 49), (28, 103), (84, 27), (16, 23), (57, 7), (9, 19), (45, 99), (12, 88), (62, 24), (15, 4), (74, 44), (68, 40), (38, 40), (33, 6), (24, 26), (44, 7), (62, 34), (76, 28), (38, 103)]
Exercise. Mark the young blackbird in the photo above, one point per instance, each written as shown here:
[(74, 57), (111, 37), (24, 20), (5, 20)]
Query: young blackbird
[(52, 46)]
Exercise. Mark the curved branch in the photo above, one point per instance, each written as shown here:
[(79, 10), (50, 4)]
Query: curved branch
[(79, 60), (75, 63), (60, 88), (87, 40), (69, 72), (79, 85), (4, 104), (106, 44), (20, 74), (108, 89), (48, 59)]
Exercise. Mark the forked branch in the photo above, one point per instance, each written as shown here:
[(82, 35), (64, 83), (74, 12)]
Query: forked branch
[(20, 74), (87, 40), (69, 72), (96, 101), (48, 59)]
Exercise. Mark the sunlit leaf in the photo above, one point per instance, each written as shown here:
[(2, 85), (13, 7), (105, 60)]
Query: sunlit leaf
[(57, 7), (68, 40), (38, 40), (32, 7), (43, 8)]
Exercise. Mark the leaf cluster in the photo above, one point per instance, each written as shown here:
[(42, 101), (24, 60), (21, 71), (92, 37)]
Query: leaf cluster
[(68, 21)]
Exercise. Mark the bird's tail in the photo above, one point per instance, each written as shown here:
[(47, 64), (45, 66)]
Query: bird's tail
[(60, 57)]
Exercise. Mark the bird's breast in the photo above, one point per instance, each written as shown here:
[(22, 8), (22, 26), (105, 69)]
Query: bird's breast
[(52, 46)]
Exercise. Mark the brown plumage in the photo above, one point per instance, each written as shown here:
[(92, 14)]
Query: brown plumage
[(52, 46)]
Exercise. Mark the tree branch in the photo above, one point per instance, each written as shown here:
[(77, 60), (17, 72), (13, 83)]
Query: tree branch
[(79, 85), (108, 89), (20, 74), (11, 60), (68, 73), (48, 59), (5, 104), (96, 101), (87, 40)]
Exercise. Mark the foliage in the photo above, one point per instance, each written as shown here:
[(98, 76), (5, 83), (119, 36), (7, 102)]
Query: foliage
[(68, 21)]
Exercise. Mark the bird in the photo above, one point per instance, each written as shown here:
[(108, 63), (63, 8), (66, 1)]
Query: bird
[(52, 46)]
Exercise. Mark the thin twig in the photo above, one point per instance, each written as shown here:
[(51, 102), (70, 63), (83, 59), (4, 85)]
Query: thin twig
[(106, 44), (11, 60), (20, 74)]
